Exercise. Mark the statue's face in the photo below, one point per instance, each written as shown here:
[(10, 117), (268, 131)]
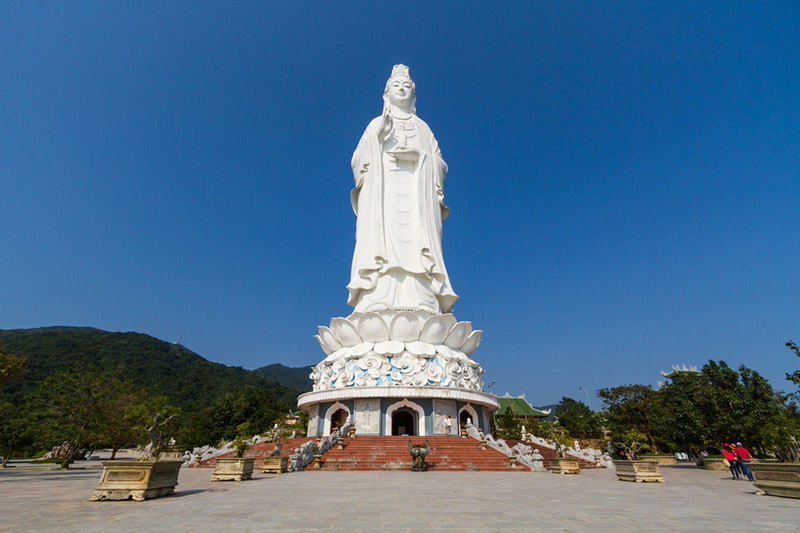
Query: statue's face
[(400, 91)]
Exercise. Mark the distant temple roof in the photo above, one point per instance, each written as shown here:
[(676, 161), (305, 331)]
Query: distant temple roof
[(519, 406), (676, 369)]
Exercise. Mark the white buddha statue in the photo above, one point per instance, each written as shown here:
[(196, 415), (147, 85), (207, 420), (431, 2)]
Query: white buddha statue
[(399, 201)]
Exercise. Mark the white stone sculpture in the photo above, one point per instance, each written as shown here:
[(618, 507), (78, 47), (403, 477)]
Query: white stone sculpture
[(402, 331), (399, 201)]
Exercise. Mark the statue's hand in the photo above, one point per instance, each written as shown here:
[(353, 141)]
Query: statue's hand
[(405, 153), (364, 168), (385, 127)]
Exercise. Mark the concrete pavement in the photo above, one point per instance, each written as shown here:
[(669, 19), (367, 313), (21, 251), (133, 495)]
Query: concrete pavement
[(36, 499)]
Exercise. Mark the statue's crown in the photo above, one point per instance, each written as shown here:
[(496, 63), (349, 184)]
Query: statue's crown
[(400, 70)]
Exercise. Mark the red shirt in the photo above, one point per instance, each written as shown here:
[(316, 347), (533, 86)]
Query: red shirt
[(742, 452), (727, 454)]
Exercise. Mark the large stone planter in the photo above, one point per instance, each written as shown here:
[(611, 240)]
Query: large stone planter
[(776, 479), (274, 465), (564, 465), (661, 459), (714, 464), (641, 471), (137, 480), (233, 469)]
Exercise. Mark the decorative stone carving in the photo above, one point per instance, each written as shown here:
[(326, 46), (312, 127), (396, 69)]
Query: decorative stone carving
[(442, 409), (313, 421), (403, 358), (368, 416), (137, 480), (233, 469), (776, 479), (274, 465), (638, 471)]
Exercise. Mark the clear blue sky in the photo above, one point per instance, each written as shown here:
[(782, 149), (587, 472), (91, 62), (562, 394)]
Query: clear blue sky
[(624, 177)]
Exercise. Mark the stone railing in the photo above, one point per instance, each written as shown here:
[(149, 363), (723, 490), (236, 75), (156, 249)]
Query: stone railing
[(204, 453), (529, 456), (304, 455)]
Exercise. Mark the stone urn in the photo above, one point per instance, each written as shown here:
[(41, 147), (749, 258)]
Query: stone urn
[(564, 465), (137, 480), (274, 465), (639, 471), (233, 469), (714, 464), (776, 479)]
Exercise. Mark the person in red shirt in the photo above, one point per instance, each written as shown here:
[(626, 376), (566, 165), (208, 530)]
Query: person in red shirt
[(744, 457), (727, 453)]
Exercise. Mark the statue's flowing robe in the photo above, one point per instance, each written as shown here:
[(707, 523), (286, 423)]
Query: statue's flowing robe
[(423, 271)]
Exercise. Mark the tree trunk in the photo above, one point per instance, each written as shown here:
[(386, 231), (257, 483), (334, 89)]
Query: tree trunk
[(6, 458), (114, 451)]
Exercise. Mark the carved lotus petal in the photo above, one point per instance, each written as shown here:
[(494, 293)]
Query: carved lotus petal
[(458, 334), (472, 342), (373, 328), (335, 355), (360, 349), (389, 347), (420, 348), (405, 327), (346, 332), (446, 352), (328, 340), (436, 328)]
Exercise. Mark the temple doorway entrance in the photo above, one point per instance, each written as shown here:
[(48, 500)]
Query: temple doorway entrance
[(338, 419), (404, 422), (462, 418)]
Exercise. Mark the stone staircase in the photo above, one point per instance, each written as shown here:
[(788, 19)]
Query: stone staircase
[(261, 450), (391, 453), (548, 453)]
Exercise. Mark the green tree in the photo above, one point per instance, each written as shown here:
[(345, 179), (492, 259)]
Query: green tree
[(579, 421), (794, 377), (724, 405), (82, 409), (251, 411), (682, 425), (10, 366), (14, 431), (157, 423), (509, 426), (632, 407)]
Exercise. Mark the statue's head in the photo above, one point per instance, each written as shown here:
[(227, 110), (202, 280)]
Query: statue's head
[(400, 90)]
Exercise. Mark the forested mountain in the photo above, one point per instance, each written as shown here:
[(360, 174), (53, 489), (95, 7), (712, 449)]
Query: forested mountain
[(187, 379), (296, 377)]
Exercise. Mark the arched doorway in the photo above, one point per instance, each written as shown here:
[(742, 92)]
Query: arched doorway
[(462, 418), (334, 417), (338, 418), (404, 422)]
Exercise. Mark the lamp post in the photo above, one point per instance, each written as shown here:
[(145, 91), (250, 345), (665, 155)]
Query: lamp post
[(587, 397)]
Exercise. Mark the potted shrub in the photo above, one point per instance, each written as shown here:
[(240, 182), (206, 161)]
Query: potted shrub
[(238, 468), (275, 463), (632, 467), (147, 477), (560, 464)]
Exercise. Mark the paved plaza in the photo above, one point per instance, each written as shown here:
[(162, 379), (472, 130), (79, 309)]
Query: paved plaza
[(42, 499)]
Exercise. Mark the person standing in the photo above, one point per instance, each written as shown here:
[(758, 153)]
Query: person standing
[(744, 457), (447, 424)]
